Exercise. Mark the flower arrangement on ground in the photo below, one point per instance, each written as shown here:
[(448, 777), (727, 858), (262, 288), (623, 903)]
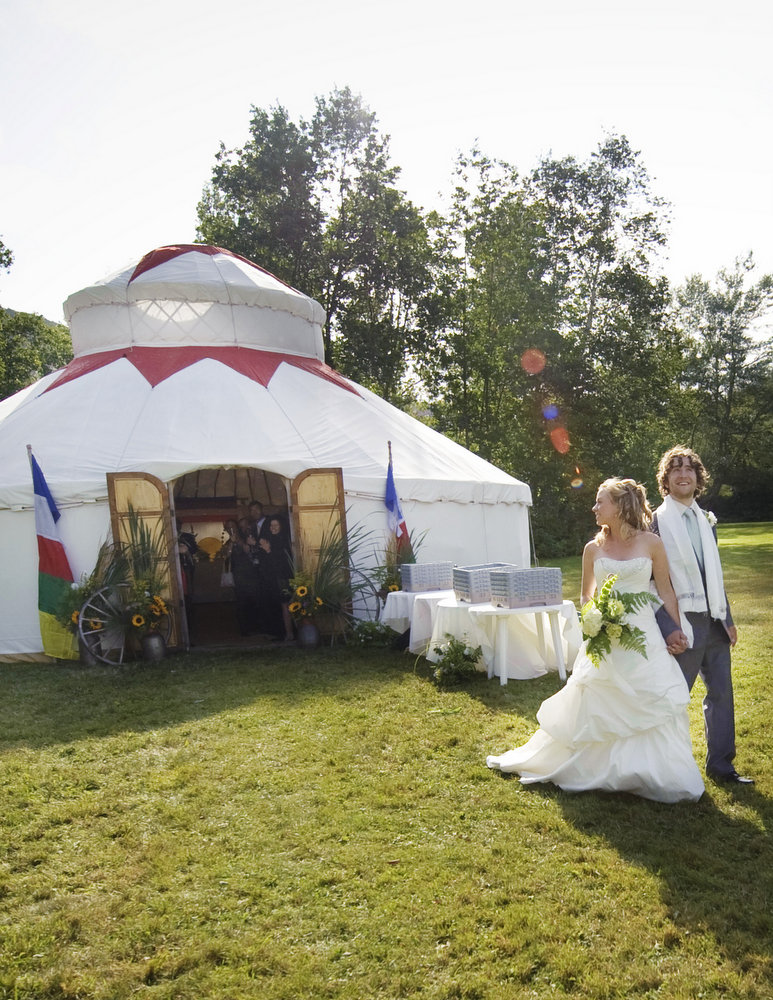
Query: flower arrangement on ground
[(603, 620), (146, 610), (104, 574), (372, 633), (304, 601), (457, 661)]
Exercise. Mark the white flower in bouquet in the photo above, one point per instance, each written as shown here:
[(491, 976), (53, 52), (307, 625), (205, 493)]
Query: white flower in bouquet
[(592, 620), (615, 608)]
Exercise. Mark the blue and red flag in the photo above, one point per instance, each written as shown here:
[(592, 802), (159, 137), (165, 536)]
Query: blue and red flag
[(395, 517), (54, 573)]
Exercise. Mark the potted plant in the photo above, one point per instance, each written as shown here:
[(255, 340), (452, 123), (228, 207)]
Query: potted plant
[(323, 586), (387, 572)]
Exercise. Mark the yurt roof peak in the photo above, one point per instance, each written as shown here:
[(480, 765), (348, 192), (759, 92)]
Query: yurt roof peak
[(194, 295)]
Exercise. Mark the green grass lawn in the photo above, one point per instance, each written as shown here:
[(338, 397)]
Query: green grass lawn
[(295, 824)]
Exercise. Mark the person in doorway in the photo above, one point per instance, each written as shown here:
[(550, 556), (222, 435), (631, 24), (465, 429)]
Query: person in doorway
[(276, 570), (187, 550), (702, 634), (244, 566), (258, 518)]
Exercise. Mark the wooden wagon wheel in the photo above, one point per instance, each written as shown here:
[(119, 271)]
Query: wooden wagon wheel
[(103, 620)]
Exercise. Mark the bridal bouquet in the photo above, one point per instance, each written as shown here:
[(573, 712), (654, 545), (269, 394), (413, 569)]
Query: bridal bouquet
[(603, 619)]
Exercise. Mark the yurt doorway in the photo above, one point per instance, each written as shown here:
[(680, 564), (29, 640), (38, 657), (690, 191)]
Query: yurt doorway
[(211, 505)]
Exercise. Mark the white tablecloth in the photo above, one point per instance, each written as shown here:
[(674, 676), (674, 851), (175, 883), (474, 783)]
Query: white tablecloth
[(528, 649), (403, 610)]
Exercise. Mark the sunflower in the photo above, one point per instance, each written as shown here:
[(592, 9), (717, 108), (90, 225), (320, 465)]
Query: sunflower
[(138, 621), (318, 601), (295, 607), (301, 591), (74, 617)]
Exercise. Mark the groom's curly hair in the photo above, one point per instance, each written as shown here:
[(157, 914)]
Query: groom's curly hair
[(667, 462)]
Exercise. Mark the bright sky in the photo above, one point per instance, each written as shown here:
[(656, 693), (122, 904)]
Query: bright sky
[(111, 112)]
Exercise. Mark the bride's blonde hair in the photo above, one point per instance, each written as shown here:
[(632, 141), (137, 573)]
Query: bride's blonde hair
[(630, 498)]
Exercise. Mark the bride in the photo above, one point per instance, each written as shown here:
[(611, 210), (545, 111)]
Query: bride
[(620, 726)]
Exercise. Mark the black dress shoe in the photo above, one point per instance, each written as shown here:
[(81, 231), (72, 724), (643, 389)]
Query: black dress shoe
[(731, 778)]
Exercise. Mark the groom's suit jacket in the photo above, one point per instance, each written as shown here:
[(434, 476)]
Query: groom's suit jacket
[(666, 623)]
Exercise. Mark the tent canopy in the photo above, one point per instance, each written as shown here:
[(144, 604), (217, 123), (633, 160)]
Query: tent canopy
[(194, 358), (182, 361)]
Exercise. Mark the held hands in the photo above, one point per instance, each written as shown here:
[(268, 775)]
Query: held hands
[(677, 642)]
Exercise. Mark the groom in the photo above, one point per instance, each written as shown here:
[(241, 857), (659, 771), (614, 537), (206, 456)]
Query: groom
[(703, 647)]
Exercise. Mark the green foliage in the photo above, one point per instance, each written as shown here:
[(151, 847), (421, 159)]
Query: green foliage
[(728, 381), (604, 621), (436, 312), (316, 203), (322, 580), (108, 571), (6, 256), (30, 347), (372, 634), (456, 663)]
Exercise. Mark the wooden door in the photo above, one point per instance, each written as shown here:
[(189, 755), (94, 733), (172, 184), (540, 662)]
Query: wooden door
[(317, 506), (152, 500)]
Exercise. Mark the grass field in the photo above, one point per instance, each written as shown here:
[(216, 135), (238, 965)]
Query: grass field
[(295, 824)]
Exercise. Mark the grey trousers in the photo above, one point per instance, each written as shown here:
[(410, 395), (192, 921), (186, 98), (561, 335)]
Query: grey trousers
[(709, 658)]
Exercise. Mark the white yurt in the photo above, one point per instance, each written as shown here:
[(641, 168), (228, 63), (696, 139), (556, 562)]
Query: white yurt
[(198, 371)]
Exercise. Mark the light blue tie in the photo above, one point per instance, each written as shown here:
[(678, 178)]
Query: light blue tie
[(693, 531)]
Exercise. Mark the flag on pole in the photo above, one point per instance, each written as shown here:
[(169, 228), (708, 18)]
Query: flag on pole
[(54, 573), (395, 517)]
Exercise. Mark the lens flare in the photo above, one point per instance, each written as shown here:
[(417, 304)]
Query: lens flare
[(559, 438), (532, 361), (578, 482), (550, 411)]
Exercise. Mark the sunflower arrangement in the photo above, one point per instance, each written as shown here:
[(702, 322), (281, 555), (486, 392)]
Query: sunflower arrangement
[(304, 602), (147, 611)]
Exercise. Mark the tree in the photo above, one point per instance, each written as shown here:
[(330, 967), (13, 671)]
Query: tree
[(619, 360), (317, 204), (30, 347), (557, 360), (262, 201), (6, 257), (728, 382)]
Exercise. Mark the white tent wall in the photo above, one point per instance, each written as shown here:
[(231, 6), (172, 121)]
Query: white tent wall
[(464, 533), (82, 528)]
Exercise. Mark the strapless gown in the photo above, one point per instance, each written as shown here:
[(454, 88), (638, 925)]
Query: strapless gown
[(621, 726)]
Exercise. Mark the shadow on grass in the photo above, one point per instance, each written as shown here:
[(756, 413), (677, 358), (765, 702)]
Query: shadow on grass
[(47, 704), (714, 859)]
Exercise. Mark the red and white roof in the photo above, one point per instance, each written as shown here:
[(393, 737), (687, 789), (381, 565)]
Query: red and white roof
[(194, 358)]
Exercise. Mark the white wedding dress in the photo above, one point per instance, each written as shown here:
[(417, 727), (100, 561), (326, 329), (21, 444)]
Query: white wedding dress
[(621, 726)]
